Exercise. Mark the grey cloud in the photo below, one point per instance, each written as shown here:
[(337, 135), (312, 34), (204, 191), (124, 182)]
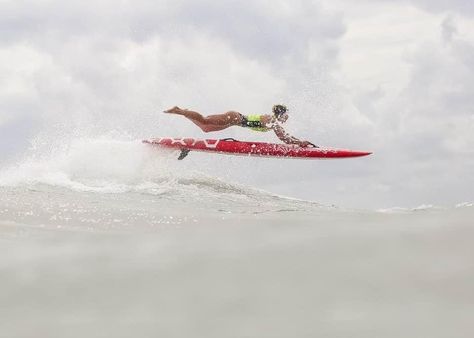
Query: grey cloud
[(448, 29), (266, 30), (115, 63), (463, 7), (423, 138), (85, 43), (30, 20)]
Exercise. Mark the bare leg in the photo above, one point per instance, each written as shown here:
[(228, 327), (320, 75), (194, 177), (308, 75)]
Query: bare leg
[(174, 110), (211, 122)]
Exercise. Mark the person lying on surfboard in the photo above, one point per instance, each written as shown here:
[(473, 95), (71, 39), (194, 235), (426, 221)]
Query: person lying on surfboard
[(254, 122)]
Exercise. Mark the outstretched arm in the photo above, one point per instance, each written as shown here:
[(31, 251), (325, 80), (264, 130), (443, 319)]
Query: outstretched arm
[(287, 138)]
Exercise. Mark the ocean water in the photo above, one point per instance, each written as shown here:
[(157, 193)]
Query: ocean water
[(107, 238)]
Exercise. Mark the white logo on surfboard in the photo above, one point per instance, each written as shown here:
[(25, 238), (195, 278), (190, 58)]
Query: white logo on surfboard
[(212, 144)]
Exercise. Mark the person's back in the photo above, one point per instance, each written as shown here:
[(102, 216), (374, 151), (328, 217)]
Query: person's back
[(255, 122)]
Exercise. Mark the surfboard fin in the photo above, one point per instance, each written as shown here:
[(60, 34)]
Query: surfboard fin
[(183, 154)]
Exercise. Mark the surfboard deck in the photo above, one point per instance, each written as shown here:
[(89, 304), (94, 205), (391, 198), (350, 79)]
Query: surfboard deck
[(260, 149)]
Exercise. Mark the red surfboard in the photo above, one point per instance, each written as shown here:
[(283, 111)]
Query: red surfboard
[(261, 149)]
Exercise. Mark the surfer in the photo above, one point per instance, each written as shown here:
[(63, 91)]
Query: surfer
[(262, 123)]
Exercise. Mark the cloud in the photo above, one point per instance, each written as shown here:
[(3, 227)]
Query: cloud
[(403, 88), (85, 41), (425, 140), (448, 29), (463, 7), (83, 67), (439, 95), (263, 29)]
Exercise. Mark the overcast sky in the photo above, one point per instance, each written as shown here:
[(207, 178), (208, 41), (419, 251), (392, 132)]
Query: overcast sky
[(395, 77)]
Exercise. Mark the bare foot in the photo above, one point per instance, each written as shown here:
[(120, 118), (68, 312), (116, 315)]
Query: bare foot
[(174, 110)]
